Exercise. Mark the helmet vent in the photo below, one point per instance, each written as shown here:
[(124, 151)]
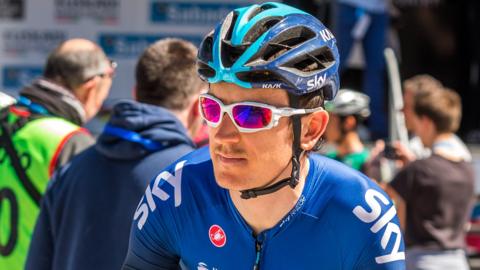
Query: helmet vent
[(231, 53), (260, 76), (286, 41), (205, 70), (206, 49), (259, 28), (260, 9), (313, 61), (228, 36)]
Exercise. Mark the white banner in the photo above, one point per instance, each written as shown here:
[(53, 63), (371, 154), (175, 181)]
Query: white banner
[(30, 29)]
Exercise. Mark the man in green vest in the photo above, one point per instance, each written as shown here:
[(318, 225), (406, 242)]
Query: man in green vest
[(41, 132)]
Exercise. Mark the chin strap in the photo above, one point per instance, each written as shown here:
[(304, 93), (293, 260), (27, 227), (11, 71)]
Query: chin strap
[(294, 178)]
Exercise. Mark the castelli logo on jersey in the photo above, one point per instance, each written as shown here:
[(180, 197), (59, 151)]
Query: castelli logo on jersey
[(217, 236)]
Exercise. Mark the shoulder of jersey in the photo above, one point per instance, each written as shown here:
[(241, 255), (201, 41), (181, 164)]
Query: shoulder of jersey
[(191, 175), (339, 185), (171, 192), (352, 203)]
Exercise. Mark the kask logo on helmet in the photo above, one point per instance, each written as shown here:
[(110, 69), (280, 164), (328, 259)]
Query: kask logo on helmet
[(326, 35), (272, 85)]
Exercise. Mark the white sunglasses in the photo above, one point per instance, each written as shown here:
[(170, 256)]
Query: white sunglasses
[(247, 116)]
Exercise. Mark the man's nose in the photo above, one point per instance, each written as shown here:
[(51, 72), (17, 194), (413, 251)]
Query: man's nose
[(226, 131)]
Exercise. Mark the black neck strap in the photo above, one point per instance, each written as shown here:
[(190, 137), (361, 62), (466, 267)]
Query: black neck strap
[(294, 178)]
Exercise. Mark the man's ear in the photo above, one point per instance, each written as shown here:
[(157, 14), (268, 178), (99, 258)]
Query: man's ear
[(195, 109), (134, 93), (313, 127), (349, 123), (194, 121), (84, 91)]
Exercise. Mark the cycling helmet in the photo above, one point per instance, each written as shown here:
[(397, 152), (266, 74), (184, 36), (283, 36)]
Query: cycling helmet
[(349, 102), (271, 45)]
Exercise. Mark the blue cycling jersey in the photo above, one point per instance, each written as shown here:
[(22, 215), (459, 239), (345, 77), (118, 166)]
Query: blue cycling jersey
[(341, 221)]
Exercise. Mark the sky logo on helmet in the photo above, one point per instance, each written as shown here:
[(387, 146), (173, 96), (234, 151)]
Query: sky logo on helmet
[(317, 82), (381, 220)]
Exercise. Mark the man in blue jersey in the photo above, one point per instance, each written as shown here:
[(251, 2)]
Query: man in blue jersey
[(256, 197)]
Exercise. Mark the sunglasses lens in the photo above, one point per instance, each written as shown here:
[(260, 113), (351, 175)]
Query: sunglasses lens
[(248, 116), (210, 109)]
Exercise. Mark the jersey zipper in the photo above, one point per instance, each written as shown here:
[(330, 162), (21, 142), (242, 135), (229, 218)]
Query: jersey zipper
[(259, 244), (258, 250)]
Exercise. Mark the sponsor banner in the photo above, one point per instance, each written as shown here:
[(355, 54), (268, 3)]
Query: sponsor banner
[(12, 9), (22, 41), (103, 11), (172, 12), (15, 77), (132, 45)]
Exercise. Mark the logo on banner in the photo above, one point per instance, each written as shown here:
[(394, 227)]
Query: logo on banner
[(104, 11), (12, 9), (22, 41), (132, 45), (170, 12), (217, 236), (16, 77)]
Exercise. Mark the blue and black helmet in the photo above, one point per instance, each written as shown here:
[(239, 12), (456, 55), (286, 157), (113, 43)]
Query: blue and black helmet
[(271, 45)]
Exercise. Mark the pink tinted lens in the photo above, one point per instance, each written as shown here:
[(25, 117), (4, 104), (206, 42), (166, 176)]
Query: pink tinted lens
[(248, 116), (210, 109)]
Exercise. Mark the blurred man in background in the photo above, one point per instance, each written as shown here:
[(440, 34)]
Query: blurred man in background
[(42, 131), (415, 149), (86, 214), (436, 193)]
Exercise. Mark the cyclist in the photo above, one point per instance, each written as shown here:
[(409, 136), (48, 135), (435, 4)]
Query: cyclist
[(347, 111), (256, 197)]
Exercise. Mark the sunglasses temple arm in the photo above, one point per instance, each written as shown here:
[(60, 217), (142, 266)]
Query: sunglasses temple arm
[(299, 111)]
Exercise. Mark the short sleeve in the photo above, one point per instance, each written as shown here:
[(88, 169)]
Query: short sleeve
[(154, 242), (371, 257), (402, 183)]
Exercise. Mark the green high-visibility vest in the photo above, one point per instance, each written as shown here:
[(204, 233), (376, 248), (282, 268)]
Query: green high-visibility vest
[(37, 144)]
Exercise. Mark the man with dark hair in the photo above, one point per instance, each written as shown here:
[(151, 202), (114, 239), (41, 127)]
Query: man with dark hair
[(86, 214), (257, 197), (41, 132), (436, 192)]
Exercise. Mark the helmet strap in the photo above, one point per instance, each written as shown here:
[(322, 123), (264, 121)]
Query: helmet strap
[(294, 178)]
